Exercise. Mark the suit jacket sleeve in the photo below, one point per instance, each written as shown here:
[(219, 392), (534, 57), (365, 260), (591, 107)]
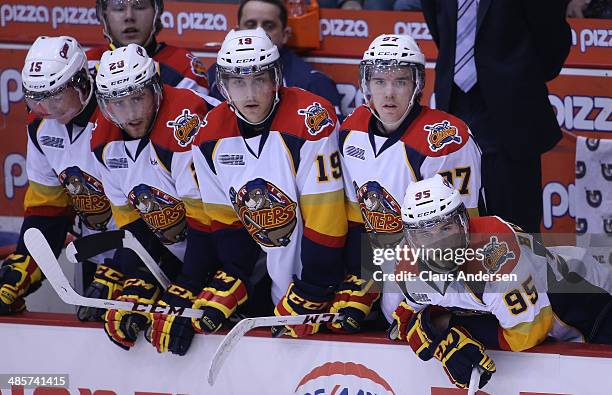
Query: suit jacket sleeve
[(429, 12), (550, 32)]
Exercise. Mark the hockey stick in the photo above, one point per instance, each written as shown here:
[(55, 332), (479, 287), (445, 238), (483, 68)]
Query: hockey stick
[(43, 255), (474, 381), (233, 337), (90, 246)]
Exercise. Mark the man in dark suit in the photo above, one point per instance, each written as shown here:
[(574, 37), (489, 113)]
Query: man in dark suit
[(495, 57)]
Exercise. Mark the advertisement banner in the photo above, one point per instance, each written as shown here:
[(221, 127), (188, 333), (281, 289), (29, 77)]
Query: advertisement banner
[(197, 25), (350, 365)]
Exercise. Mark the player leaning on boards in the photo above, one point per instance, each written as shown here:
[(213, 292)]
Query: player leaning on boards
[(138, 22), (142, 145), (265, 163), (511, 314), (61, 169), (392, 141)]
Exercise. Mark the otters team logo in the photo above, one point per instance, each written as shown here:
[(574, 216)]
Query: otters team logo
[(88, 199), (267, 212), (164, 214), (197, 67), (496, 254), (316, 118), (186, 126), (343, 378), (381, 213), (442, 134)]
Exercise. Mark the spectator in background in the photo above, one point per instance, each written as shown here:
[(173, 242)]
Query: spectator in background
[(589, 9), (271, 15), (138, 22), (494, 59)]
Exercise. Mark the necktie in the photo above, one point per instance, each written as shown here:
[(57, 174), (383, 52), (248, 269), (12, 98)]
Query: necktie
[(465, 67)]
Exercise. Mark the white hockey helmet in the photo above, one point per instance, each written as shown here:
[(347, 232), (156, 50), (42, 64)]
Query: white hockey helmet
[(432, 204), (388, 52), (244, 53), (51, 65), (123, 72)]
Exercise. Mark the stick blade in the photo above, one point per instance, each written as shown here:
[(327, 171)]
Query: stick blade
[(229, 342)]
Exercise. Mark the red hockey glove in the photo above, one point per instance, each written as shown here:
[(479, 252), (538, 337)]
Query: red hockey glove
[(354, 298), (19, 277), (302, 298), (219, 300), (107, 284), (169, 332), (122, 327)]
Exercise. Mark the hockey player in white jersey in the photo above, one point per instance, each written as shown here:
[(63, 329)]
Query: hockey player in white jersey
[(142, 144), (494, 278), (268, 169), (61, 170), (391, 141)]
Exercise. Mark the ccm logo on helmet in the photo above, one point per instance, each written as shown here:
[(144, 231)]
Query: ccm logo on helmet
[(245, 60), (120, 81), (426, 213)]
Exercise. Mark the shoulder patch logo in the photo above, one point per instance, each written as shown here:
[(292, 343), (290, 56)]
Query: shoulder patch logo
[(197, 67), (442, 134), (186, 126), (316, 118), (496, 254), (87, 196), (268, 214)]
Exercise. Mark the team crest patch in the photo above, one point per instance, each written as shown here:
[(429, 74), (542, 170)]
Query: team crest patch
[(164, 214), (316, 118), (442, 134), (197, 67), (380, 212), (496, 254), (88, 199), (268, 214), (186, 126)]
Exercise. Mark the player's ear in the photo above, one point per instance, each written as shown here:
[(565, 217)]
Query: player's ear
[(286, 34)]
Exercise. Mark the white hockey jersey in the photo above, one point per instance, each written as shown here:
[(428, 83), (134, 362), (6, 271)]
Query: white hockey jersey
[(516, 292), (62, 172), (153, 177), (377, 170), (284, 186)]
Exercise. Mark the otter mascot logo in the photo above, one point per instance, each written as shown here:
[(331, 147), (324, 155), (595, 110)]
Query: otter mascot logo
[(316, 118), (88, 199), (442, 134), (164, 214), (268, 213), (381, 214)]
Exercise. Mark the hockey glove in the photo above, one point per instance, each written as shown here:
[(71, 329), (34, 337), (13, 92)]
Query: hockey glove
[(107, 284), (219, 300), (169, 332), (19, 277), (122, 327), (459, 352), (302, 298), (454, 347), (402, 319), (354, 298)]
